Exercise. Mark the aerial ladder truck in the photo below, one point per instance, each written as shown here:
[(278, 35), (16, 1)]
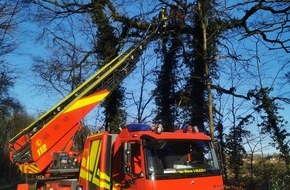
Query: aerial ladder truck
[(139, 157)]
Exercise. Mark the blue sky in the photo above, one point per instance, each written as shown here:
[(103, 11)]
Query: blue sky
[(20, 61)]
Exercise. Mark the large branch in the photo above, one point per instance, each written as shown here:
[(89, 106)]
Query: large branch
[(266, 29), (250, 94), (231, 91)]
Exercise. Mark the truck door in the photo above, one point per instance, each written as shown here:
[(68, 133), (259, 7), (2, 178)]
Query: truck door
[(95, 167)]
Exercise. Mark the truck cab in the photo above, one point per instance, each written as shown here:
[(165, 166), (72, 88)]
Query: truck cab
[(146, 159)]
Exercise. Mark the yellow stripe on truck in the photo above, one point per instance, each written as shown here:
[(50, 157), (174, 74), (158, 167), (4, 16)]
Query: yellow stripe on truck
[(87, 101), (104, 176), (83, 173), (29, 169), (106, 183), (91, 172)]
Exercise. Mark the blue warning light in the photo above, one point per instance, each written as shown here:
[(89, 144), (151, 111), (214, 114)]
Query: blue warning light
[(138, 127)]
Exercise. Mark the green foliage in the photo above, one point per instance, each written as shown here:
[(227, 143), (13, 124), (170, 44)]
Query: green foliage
[(268, 174), (165, 92), (12, 119), (10, 125), (272, 123), (115, 116), (106, 46), (202, 48), (234, 146), (261, 174)]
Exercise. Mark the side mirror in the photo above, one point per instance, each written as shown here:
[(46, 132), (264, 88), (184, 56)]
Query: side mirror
[(127, 157), (218, 151)]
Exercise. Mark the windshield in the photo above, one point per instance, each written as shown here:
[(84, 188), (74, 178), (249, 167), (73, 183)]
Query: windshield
[(176, 158)]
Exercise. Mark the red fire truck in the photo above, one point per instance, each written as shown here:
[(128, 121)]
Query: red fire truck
[(139, 157)]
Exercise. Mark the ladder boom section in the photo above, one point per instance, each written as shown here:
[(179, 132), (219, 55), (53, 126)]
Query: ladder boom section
[(102, 82)]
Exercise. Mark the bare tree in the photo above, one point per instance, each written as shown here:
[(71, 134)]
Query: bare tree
[(12, 113), (267, 19), (8, 25), (140, 100)]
